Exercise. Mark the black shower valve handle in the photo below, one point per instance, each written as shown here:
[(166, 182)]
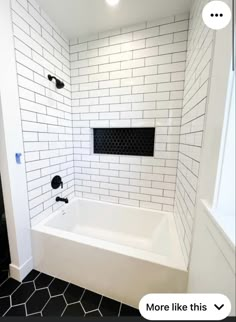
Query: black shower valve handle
[(57, 182)]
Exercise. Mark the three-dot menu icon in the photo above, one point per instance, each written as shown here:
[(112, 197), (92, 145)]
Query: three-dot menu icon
[(216, 15)]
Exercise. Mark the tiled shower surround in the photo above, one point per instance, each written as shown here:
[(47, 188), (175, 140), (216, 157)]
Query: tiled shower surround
[(197, 75), (129, 77), (41, 49)]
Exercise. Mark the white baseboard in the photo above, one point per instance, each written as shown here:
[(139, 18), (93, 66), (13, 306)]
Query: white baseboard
[(19, 273)]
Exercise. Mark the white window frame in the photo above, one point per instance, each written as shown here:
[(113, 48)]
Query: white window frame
[(216, 209)]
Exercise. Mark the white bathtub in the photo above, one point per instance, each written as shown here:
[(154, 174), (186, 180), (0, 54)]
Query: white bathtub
[(118, 251)]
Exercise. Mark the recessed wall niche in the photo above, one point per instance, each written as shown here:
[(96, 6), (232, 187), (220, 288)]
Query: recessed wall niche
[(124, 141)]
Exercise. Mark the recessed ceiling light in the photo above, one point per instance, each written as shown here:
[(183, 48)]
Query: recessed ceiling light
[(112, 2)]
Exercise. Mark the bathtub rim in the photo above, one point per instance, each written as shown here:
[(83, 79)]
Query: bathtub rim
[(176, 262)]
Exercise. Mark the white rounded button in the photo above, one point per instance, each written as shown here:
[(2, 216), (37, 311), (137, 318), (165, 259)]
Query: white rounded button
[(216, 15)]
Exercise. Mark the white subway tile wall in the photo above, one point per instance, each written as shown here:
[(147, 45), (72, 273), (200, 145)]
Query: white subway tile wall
[(131, 77), (198, 67), (41, 49)]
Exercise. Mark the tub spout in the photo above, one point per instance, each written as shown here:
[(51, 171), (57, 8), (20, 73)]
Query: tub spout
[(65, 200)]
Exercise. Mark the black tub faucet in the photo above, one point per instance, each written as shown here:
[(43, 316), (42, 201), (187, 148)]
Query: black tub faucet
[(65, 200)]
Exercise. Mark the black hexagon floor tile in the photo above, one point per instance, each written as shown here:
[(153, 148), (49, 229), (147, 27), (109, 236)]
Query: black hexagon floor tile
[(22, 294), (73, 293), (57, 287), (74, 310), (43, 295), (43, 280), (90, 301), (4, 305), (93, 314), (18, 310), (3, 276), (31, 276), (8, 287), (109, 307), (128, 311), (37, 301), (36, 315), (55, 306)]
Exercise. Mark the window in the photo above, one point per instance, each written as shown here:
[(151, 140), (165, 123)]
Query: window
[(224, 209)]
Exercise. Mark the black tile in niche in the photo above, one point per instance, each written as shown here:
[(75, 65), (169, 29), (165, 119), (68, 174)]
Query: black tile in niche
[(22, 294), (31, 276), (109, 307), (73, 293), (93, 314), (55, 306), (90, 301), (4, 305), (128, 311), (124, 141), (8, 287), (37, 301), (18, 310), (57, 287), (43, 280), (74, 310)]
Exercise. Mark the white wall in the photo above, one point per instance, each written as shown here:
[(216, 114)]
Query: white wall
[(41, 49), (12, 174), (212, 261), (198, 69), (129, 77)]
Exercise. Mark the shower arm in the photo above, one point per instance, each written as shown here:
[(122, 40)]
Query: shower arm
[(52, 77)]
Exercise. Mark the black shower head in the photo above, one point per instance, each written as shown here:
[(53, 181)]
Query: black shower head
[(59, 84)]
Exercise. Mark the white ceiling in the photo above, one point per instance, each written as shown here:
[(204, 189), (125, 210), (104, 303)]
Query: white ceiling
[(82, 17)]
